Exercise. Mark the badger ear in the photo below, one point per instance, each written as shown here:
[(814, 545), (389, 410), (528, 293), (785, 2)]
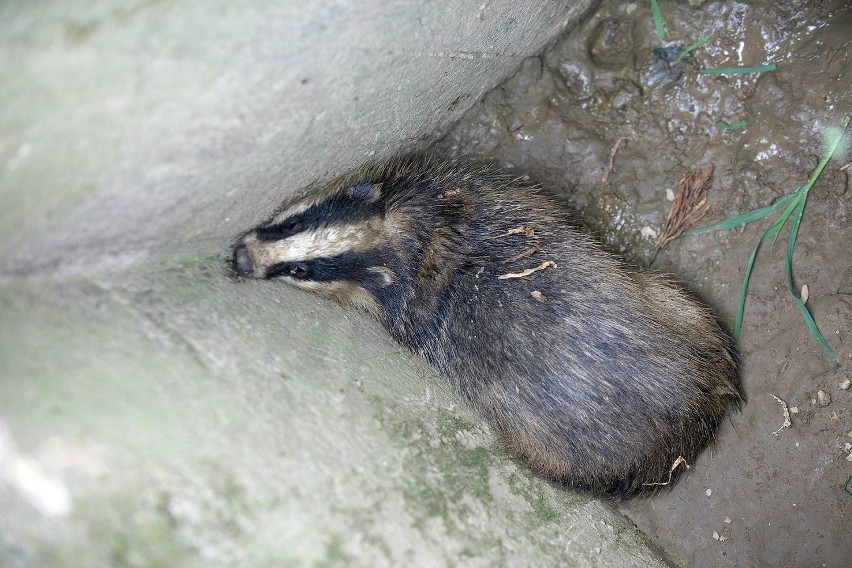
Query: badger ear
[(369, 192), (379, 277)]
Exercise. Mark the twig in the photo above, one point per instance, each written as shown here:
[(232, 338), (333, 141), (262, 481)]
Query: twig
[(612, 153)]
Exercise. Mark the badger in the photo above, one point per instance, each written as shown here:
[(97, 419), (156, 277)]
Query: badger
[(600, 377)]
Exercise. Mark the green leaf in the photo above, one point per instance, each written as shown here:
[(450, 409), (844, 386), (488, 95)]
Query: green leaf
[(738, 125), (745, 218), (692, 47), (738, 324), (778, 224), (738, 70), (658, 19)]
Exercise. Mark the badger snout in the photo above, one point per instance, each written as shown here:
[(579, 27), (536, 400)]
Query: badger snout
[(242, 261)]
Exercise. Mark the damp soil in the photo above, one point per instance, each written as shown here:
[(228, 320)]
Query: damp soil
[(763, 495)]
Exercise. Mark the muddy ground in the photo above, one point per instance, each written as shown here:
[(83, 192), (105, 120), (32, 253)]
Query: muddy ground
[(763, 495)]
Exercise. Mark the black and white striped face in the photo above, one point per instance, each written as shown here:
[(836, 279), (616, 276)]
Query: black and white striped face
[(333, 244)]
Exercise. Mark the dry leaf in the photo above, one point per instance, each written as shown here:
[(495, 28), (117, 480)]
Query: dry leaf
[(689, 205), (528, 271), (677, 462), (787, 422), (528, 231)]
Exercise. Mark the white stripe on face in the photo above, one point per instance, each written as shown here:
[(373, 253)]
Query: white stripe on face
[(316, 243), (326, 241)]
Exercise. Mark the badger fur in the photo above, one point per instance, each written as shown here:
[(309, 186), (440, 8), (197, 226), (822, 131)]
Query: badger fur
[(599, 377)]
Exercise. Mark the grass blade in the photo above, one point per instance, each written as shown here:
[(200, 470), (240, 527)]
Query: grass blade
[(738, 70), (777, 225), (738, 324), (658, 19), (692, 47), (737, 220), (788, 273), (738, 125)]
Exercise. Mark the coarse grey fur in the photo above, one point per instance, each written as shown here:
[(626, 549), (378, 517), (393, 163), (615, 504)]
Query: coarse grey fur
[(598, 376)]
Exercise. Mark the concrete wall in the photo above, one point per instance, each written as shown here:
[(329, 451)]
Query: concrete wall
[(155, 412)]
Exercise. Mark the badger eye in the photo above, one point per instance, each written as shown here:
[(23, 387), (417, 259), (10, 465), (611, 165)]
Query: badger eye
[(299, 270)]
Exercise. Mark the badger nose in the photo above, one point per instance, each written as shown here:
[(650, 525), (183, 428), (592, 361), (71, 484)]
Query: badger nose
[(242, 261)]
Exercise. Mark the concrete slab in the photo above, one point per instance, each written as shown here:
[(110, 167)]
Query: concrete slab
[(170, 415)]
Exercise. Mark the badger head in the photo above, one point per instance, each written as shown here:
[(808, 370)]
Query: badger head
[(334, 243)]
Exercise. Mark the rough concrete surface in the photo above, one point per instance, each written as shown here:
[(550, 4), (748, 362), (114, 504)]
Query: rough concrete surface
[(168, 127), (170, 415), (155, 411)]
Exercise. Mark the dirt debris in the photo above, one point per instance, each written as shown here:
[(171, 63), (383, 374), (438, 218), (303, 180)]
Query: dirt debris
[(544, 265)]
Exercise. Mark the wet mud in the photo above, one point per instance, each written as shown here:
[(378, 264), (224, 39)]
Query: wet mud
[(765, 494)]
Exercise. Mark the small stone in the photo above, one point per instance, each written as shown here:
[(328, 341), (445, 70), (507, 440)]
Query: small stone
[(728, 520), (847, 446), (611, 43), (715, 535), (794, 410), (648, 232), (670, 194), (823, 398), (538, 296), (804, 294), (849, 457), (709, 492), (845, 383)]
